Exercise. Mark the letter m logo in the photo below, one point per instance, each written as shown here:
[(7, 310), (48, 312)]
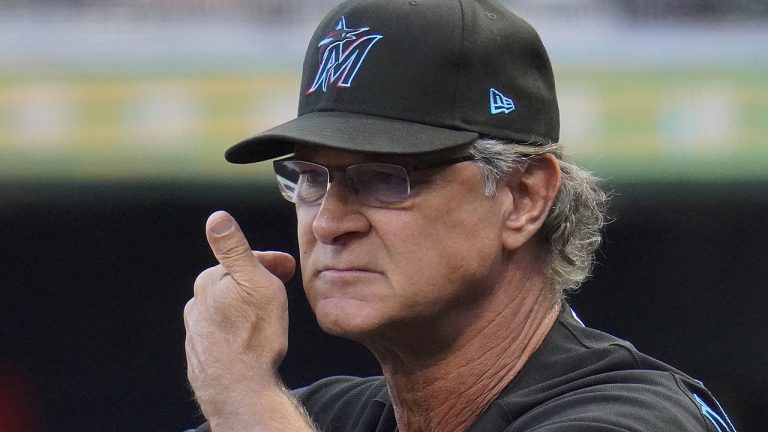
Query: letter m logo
[(341, 54)]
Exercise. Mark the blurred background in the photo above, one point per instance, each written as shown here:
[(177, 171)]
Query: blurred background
[(114, 115)]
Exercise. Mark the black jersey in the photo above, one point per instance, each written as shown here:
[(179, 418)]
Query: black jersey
[(579, 379)]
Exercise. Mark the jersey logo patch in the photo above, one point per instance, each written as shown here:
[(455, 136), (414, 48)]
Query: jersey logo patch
[(721, 422), (500, 104), (341, 53)]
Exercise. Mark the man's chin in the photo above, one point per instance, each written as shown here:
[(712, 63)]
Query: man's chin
[(345, 318)]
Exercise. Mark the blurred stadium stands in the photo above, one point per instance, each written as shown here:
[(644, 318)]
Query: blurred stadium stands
[(697, 9), (94, 90)]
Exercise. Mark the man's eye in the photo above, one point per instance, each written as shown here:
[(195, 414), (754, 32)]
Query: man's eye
[(384, 178), (311, 178)]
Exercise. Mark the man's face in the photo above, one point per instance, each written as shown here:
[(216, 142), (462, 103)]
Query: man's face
[(368, 271)]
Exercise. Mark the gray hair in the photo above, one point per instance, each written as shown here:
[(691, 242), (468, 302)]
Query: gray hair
[(574, 223)]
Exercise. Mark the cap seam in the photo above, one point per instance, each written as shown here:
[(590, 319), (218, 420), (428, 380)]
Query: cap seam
[(462, 68)]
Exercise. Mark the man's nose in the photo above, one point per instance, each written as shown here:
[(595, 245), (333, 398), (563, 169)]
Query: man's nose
[(339, 217)]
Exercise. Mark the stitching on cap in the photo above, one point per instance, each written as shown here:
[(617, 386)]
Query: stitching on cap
[(462, 66)]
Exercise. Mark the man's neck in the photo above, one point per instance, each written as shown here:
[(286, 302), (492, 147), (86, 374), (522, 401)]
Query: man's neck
[(448, 392)]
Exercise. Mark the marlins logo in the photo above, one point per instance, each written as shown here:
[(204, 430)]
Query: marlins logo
[(342, 52)]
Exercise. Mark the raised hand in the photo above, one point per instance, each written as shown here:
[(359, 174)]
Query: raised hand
[(237, 334)]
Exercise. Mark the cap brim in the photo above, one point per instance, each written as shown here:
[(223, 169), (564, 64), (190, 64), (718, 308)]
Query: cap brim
[(348, 131)]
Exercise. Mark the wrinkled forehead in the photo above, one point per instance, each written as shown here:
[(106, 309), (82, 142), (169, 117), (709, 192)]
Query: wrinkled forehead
[(331, 156)]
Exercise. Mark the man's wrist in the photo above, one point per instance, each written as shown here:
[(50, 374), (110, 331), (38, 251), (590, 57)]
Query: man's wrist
[(267, 408)]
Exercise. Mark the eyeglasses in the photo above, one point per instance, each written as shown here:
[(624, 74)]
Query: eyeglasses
[(374, 184)]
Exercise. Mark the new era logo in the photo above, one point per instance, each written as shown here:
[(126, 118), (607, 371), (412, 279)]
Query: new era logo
[(500, 103)]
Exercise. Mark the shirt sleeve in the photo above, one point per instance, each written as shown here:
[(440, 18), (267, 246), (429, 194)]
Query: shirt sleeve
[(637, 405)]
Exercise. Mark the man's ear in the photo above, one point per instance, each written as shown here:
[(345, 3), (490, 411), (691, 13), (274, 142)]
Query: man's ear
[(530, 193)]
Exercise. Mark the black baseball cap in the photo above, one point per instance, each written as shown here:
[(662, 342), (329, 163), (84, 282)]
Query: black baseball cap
[(416, 76)]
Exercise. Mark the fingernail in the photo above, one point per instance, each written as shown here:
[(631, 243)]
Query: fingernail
[(222, 227)]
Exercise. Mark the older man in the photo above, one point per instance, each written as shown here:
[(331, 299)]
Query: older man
[(439, 226)]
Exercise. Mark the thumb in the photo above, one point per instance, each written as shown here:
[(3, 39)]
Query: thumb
[(231, 248)]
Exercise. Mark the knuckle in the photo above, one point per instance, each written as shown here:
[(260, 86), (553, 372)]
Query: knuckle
[(200, 282), (206, 278), (188, 311)]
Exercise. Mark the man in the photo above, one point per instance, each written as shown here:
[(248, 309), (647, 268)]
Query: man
[(438, 226)]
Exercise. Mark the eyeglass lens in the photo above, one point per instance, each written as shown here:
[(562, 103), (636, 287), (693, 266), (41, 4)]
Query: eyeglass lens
[(377, 184)]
